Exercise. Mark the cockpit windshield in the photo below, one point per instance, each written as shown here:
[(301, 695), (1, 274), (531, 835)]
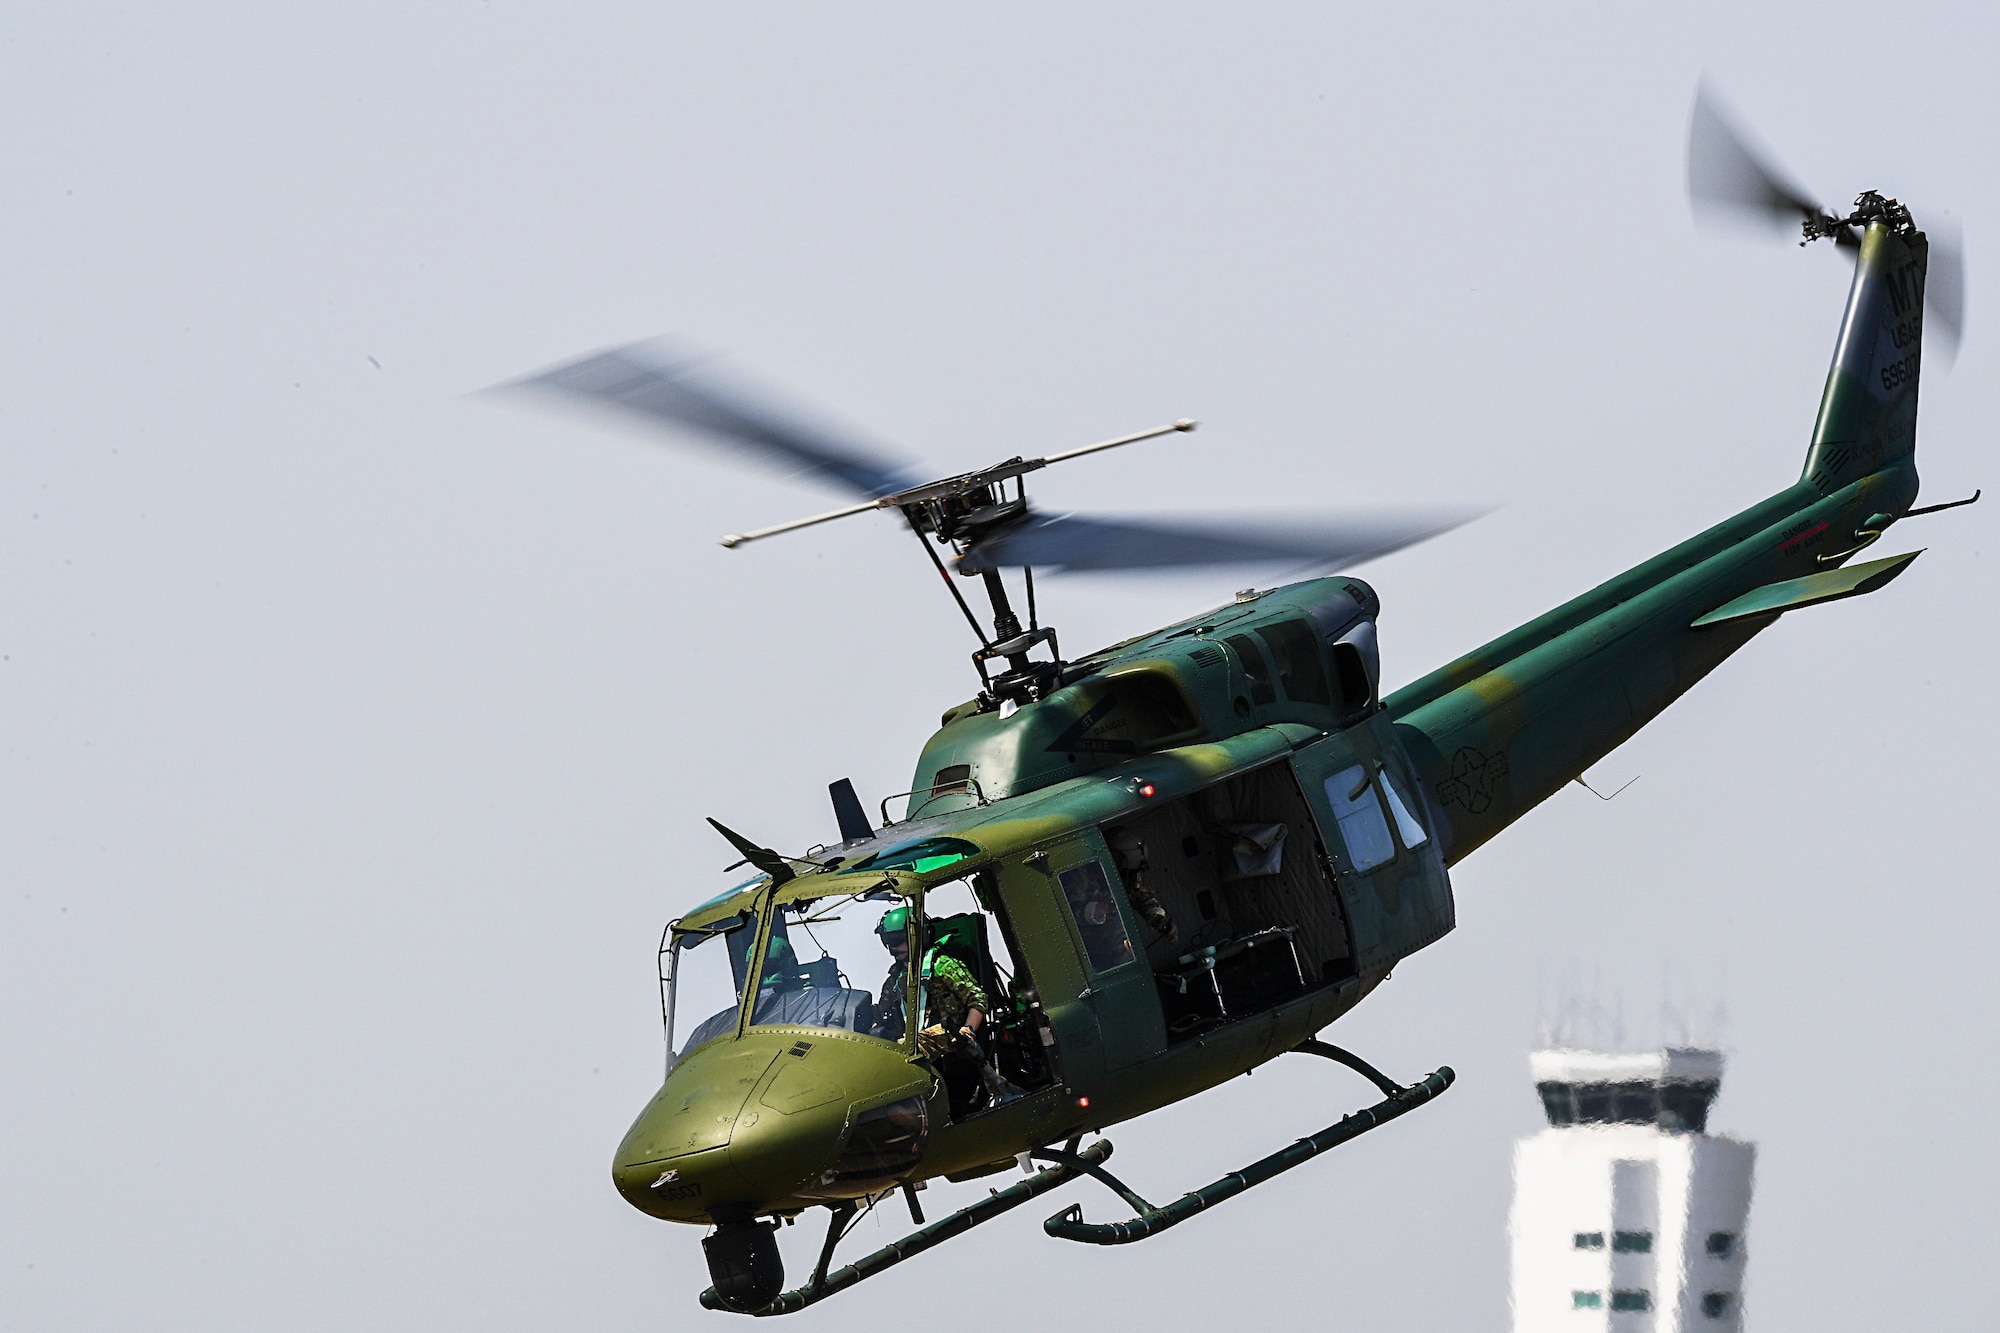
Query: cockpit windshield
[(706, 971), (836, 962)]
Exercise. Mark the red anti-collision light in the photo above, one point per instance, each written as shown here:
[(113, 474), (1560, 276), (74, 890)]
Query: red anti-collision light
[(1146, 789)]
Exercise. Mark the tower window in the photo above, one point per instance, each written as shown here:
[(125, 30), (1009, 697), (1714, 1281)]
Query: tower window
[(1631, 1300), (1715, 1304), (1586, 1300), (1722, 1244), (1590, 1240), (1632, 1242)]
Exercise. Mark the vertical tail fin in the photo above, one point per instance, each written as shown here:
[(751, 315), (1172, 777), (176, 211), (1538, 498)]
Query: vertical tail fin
[(1868, 414)]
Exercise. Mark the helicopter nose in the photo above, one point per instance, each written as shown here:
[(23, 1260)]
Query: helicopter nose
[(745, 1126), (674, 1161)]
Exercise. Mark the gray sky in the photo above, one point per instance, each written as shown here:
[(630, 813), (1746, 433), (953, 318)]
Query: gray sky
[(357, 732)]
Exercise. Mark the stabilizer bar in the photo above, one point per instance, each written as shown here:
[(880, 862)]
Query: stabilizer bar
[(824, 1284), (1151, 1221)]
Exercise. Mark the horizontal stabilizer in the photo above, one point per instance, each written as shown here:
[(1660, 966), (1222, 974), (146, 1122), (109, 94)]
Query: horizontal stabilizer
[(1827, 586)]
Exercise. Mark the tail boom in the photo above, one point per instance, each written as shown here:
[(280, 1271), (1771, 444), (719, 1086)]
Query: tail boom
[(1499, 731)]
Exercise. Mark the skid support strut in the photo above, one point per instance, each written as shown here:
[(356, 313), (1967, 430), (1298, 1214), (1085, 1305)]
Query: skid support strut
[(824, 1284), (1151, 1221)]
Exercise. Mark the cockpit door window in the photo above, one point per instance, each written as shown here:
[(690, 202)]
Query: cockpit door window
[(841, 961)]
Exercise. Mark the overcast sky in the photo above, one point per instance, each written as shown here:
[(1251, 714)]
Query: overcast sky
[(358, 730)]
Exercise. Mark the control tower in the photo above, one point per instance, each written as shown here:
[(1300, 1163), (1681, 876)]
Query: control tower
[(1629, 1216)]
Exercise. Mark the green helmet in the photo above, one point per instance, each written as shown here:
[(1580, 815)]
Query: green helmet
[(779, 959), (895, 921)]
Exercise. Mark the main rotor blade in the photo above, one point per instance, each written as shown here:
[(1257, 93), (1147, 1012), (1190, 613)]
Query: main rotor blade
[(639, 379), (1944, 286), (1077, 542), (1725, 176), (766, 860)]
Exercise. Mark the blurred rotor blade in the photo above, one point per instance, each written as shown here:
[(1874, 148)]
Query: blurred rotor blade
[(639, 379), (1725, 176), (1944, 287), (1077, 542)]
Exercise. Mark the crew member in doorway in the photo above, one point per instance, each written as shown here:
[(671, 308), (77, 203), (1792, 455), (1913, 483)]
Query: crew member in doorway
[(1130, 852), (953, 1001)]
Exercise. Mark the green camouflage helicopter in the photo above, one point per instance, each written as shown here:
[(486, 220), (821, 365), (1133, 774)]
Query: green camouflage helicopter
[(1127, 877)]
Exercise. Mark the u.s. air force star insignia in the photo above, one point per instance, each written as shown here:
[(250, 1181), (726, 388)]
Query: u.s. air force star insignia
[(1474, 774)]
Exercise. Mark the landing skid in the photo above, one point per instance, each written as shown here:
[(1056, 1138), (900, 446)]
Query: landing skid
[(1068, 1162), (824, 1284), (1151, 1221)]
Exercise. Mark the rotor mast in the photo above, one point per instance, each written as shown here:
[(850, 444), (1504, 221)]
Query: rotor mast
[(960, 512)]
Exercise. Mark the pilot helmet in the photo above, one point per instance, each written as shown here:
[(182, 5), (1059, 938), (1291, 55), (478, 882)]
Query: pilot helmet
[(779, 961), (895, 924)]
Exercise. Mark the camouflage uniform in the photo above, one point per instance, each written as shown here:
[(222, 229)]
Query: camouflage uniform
[(1130, 854), (1148, 907), (950, 993)]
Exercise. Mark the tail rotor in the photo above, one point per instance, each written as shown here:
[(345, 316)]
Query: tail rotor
[(1730, 179)]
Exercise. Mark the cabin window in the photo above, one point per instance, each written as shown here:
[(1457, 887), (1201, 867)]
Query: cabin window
[(1631, 1300), (1408, 827), (1295, 648), (1359, 814), (1722, 1244), (1632, 1242), (1255, 670), (1590, 1240), (1715, 1304), (1105, 939), (1586, 1300)]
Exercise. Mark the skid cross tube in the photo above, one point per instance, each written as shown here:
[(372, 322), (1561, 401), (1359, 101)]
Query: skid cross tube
[(1151, 1221), (825, 1284)]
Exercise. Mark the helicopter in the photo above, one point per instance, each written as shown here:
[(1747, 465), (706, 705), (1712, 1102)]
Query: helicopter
[(1122, 879)]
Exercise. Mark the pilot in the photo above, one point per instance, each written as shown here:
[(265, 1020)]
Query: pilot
[(954, 1000), (781, 967), (780, 979)]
